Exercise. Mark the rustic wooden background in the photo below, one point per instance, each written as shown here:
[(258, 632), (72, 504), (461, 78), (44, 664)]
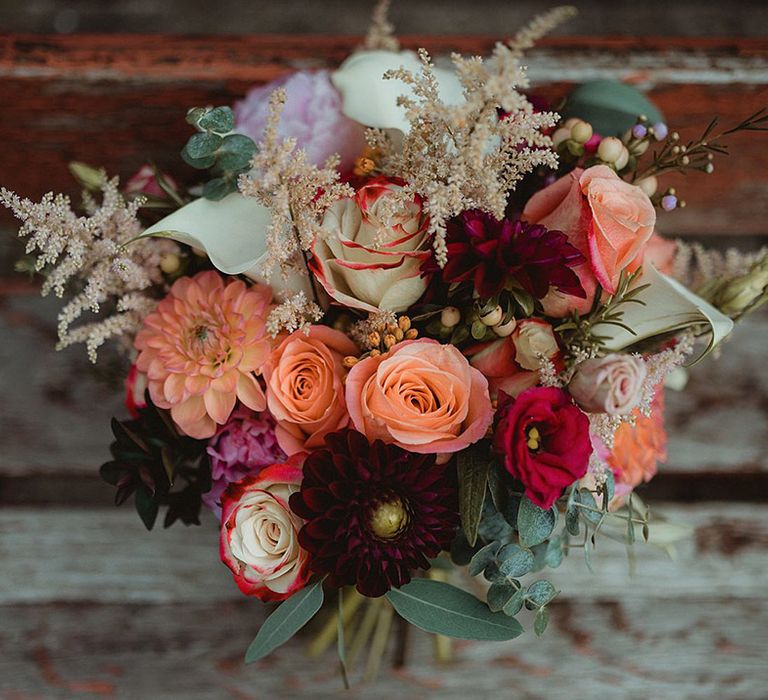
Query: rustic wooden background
[(91, 605)]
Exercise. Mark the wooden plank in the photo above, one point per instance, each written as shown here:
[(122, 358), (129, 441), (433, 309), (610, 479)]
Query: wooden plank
[(106, 556), (118, 100), (646, 648)]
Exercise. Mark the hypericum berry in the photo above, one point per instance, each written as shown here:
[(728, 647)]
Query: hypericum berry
[(610, 149)]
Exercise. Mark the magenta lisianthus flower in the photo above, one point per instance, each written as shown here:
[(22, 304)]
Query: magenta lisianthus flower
[(312, 115), (241, 448)]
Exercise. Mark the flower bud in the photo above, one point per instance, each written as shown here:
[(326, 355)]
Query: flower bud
[(745, 291), (450, 316), (649, 185)]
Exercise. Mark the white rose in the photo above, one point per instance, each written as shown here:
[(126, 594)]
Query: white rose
[(611, 384), (369, 260), (533, 338)]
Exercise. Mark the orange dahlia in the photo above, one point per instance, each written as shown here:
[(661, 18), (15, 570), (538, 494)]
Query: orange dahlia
[(638, 448), (202, 348)]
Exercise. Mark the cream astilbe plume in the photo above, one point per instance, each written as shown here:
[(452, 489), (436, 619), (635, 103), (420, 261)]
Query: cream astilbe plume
[(381, 32), (89, 255), (468, 156)]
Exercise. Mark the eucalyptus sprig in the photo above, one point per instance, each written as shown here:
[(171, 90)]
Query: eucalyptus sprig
[(214, 147), (578, 332)]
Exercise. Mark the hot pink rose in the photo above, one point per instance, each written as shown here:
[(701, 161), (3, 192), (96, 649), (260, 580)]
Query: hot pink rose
[(544, 441), (370, 260), (511, 364), (259, 534), (606, 218), (305, 391), (422, 396)]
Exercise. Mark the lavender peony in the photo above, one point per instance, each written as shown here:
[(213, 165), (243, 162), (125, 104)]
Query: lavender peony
[(312, 115), (240, 448)]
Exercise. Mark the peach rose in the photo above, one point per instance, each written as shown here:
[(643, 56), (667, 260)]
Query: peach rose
[(421, 396), (511, 364), (606, 218), (305, 393)]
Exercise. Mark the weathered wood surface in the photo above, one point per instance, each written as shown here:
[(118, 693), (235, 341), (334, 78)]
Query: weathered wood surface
[(119, 100)]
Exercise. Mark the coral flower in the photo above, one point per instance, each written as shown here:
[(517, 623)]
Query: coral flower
[(201, 350)]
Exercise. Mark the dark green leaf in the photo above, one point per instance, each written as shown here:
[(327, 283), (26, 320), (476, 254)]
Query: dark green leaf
[(541, 621), (461, 552), (284, 622), (482, 558), (236, 152), (539, 594), (199, 163), (493, 526), (515, 604), (218, 188), (533, 523), (111, 472), (524, 300), (492, 573), (500, 593), (514, 560), (440, 608), (146, 507), (218, 119), (203, 145), (473, 465)]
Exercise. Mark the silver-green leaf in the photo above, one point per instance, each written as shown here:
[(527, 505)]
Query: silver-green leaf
[(533, 523)]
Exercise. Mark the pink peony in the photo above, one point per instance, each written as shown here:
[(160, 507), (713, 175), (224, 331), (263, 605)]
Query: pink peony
[(201, 350), (312, 115), (241, 448)]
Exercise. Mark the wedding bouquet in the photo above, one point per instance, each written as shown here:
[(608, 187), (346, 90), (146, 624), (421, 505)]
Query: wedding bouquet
[(411, 321)]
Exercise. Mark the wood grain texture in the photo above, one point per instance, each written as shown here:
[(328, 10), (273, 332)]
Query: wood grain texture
[(119, 100)]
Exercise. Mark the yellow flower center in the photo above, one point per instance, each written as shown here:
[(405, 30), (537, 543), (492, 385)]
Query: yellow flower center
[(533, 439), (389, 519)]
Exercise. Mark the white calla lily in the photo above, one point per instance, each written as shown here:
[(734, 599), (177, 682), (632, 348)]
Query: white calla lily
[(371, 100), (232, 233), (668, 307)]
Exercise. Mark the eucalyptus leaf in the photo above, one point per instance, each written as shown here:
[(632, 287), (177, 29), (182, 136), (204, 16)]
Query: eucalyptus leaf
[(219, 119), (500, 593), (284, 622), (440, 608), (482, 558), (539, 594), (541, 621), (554, 553), (534, 524), (514, 560), (203, 145), (473, 466), (218, 188), (236, 152), (515, 604)]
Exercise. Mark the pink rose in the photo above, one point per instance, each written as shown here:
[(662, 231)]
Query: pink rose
[(305, 390), (607, 219), (260, 534), (369, 260), (612, 384), (511, 364), (312, 115), (421, 396)]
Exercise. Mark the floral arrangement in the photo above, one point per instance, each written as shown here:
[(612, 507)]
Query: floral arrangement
[(412, 328)]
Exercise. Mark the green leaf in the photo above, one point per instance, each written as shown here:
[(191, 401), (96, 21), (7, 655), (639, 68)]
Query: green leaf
[(146, 507), (492, 573), (524, 300), (539, 594), (194, 114), (218, 119), (203, 145), (461, 552), (541, 621), (554, 555), (473, 465), (482, 558), (515, 604), (236, 152), (218, 188), (609, 106), (533, 523), (440, 608), (199, 163), (500, 593), (514, 560), (284, 622)]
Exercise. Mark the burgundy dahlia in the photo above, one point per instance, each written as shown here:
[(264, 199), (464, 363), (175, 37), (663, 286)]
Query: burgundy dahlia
[(491, 252), (373, 512)]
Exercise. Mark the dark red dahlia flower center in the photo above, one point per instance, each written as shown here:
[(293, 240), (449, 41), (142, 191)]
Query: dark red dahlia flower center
[(388, 518)]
